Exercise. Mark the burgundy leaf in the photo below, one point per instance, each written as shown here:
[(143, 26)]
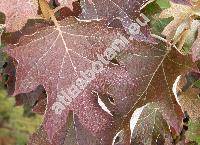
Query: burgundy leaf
[(118, 13), (18, 12)]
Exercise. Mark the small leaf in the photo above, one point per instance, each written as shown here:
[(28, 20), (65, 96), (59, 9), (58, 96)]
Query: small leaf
[(151, 128), (18, 12), (197, 84)]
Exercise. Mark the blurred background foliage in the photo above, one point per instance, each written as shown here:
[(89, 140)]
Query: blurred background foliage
[(16, 123)]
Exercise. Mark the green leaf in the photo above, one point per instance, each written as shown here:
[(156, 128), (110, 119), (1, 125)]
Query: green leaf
[(164, 4), (197, 84), (193, 132), (158, 25)]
